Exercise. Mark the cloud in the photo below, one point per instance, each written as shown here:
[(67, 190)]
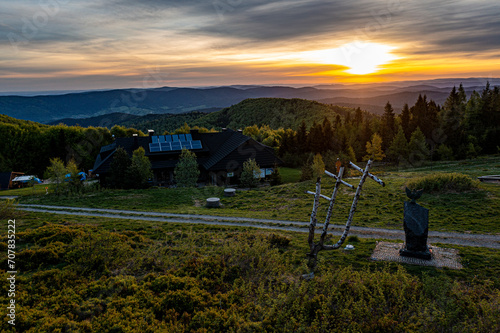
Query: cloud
[(199, 36)]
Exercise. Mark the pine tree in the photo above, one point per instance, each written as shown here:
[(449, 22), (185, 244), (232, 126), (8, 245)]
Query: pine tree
[(398, 151), (418, 149), (327, 136), (250, 176), (374, 149), (358, 117), (451, 119), (352, 155), (302, 137), (405, 121), (139, 170), (118, 169), (338, 122), (419, 113), (387, 126), (275, 178), (315, 138), (186, 170)]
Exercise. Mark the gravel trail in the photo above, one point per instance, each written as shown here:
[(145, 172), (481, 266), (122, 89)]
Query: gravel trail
[(477, 240)]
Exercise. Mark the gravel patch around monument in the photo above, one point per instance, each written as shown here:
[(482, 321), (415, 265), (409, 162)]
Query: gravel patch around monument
[(441, 257)]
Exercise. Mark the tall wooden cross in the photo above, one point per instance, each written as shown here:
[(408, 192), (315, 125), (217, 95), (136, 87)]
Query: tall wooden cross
[(316, 247)]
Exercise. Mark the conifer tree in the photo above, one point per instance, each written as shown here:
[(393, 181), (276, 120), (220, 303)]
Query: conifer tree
[(387, 130), (275, 178), (139, 171), (302, 137), (315, 138), (186, 170), (374, 149), (351, 154), (250, 176), (327, 136), (451, 119), (405, 121), (398, 151), (118, 169), (418, 149), (358, 117)]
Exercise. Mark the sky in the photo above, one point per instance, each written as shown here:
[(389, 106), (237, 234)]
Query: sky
[(81, 45)]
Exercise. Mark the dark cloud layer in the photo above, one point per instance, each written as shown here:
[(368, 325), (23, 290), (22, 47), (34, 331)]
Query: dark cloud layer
[(449, 25), (94, 27)]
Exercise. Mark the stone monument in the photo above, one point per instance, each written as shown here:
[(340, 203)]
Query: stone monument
[(416, 226)]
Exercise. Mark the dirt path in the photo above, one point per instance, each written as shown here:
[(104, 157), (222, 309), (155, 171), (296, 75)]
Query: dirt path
[(478, 240)]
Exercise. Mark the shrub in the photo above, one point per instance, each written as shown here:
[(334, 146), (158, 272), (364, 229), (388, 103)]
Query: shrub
[(186, 170), (276, 240), (444, 182), (7, 209), (250, 176)]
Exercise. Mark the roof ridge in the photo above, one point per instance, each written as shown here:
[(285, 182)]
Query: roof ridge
[(226, 148)]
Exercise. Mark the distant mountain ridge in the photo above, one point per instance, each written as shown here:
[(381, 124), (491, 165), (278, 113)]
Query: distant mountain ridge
[(275, 112), (174, 100)]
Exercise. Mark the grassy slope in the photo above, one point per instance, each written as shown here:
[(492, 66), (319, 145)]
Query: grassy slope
[(475, 211), (153, 276), (106, 275)]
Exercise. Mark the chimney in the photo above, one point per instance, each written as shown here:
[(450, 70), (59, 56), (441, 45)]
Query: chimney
[(136, 141), (151, 132), (240, 130), (224, 129)]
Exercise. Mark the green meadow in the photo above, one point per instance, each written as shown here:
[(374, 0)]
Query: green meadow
[(89, 274)]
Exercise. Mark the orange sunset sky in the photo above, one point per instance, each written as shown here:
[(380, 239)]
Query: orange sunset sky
[(76, 44)]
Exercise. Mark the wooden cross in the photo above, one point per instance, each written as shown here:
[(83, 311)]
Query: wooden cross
[(316, 247)]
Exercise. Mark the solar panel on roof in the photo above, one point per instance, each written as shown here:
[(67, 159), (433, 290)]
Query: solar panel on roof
[(176, 145), (173, 142), (154, 147), (196, 144)]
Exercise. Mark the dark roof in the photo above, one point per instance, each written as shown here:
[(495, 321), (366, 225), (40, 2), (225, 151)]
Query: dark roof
[(227, 147), (5, 180), (263, 156), (217, 150)]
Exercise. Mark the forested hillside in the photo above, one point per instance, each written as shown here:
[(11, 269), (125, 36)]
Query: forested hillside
[(274, 112), (28, 146), (463, 127), (157, 122)]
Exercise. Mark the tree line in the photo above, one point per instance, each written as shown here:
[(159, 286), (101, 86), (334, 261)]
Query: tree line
[(461, 128)]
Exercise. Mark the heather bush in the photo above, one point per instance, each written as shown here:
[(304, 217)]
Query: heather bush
[(444, 182), (229, 281)]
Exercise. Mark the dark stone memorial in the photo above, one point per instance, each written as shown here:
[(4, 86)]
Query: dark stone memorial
[(416, 225)]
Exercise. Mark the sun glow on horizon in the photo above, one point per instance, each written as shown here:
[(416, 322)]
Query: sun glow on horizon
[(359, 57)]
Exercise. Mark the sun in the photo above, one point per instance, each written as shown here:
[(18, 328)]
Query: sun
[(360, 57)]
